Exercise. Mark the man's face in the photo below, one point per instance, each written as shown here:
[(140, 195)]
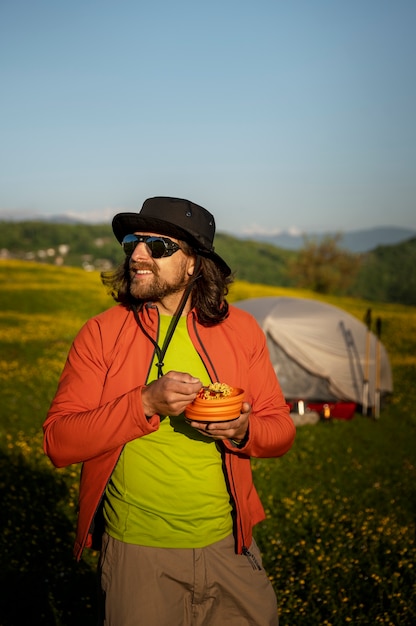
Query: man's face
[(159, 280)]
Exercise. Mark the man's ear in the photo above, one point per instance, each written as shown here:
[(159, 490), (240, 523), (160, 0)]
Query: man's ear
[(191, 265)]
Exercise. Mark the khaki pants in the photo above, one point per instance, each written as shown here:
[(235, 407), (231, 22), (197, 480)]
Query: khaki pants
[(210, 586)]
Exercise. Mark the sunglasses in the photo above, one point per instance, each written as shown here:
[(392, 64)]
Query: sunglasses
[(158, 246)]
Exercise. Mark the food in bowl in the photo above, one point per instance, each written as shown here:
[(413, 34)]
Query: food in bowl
[(211, 406), (214, 391)]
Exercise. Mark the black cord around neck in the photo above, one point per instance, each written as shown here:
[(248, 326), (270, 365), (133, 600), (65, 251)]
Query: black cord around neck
[(161, 351)]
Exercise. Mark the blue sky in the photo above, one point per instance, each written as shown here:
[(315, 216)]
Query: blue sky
[(274, 115)]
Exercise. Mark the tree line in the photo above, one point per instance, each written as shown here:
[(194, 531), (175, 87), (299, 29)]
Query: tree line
[(386, 274)]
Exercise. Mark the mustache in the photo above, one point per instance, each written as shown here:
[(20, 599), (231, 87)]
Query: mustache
[(133, 267)]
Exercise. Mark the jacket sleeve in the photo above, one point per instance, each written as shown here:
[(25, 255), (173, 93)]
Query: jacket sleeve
[(271, 429), (79, 424)]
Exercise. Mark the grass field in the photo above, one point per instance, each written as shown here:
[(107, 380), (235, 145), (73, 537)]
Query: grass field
[(339, 538)]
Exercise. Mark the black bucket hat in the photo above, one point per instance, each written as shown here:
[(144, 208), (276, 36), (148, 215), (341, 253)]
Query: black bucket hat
[(177, 218)]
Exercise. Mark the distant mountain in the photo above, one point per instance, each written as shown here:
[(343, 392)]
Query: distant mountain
[(62, 219), (354, 241), (31, 216)]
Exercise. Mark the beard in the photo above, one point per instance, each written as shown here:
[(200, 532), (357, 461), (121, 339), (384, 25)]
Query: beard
[(155, 289)]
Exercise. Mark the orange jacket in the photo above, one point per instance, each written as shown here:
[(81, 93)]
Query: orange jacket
[(97, 407)]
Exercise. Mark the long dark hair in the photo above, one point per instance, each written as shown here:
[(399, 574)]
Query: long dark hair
[(208, 295)]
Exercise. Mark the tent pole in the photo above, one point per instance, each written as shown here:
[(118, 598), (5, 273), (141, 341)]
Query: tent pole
[(378, 367), (367, 320)]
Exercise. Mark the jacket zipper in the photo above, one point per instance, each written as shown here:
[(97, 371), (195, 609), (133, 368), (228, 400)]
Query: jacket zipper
[(245, 551)]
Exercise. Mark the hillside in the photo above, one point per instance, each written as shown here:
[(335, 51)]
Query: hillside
[(359, 240), (93, 246), (340, 505), (387, 272)]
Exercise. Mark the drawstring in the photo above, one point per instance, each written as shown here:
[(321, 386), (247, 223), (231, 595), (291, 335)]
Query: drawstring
[(160, 352)]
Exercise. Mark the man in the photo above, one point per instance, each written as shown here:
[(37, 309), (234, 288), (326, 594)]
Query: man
[(175, 499)]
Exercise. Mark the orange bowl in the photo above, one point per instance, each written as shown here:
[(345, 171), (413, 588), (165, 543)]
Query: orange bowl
[(216, 409)]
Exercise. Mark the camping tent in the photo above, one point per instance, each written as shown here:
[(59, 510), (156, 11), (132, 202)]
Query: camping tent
[(320, 353)]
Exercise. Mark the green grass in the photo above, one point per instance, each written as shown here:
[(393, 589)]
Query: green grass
[(339, 538)]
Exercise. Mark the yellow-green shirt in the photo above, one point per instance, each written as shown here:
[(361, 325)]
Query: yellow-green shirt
[(168, 488)]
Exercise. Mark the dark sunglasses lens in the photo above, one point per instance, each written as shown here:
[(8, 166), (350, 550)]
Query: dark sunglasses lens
[(157, 247), (129, 243)]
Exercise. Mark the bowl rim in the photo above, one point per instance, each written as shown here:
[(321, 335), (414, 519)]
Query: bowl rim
[(231, 398)]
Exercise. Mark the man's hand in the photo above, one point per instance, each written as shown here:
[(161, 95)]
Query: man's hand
[(170, 394), (235, 430)]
